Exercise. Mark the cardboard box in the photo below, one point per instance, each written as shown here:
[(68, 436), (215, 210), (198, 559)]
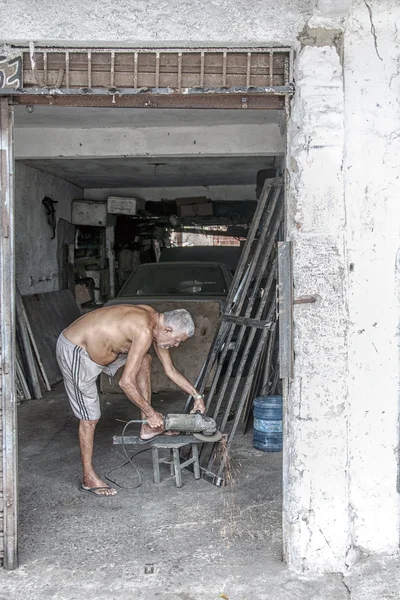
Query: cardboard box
[(125, 206), (194, 207)]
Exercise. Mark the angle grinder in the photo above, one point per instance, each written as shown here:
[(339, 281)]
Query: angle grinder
[(202, 427)]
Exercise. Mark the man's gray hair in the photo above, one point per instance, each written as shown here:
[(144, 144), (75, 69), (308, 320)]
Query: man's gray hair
[(180, 321)]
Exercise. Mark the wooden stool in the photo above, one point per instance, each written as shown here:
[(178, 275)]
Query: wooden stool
[(174, 443)]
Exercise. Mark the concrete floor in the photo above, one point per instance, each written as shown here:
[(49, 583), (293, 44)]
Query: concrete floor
[(203, 543)]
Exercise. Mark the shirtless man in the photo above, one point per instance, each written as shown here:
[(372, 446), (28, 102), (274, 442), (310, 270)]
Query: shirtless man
[(104, 340)]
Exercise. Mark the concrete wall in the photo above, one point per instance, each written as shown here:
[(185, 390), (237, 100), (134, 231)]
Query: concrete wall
[(35, 251), (315, 500), (186, 22), (341, 456), (222, 140), (372, 193)]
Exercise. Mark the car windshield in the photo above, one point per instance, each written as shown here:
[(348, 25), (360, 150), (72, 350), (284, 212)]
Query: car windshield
[(176, 280)]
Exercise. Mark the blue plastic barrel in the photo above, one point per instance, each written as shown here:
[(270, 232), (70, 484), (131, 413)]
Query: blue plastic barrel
[(267, 412)]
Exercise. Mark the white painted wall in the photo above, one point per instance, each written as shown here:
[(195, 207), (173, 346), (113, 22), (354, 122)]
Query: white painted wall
[(315, 458), (155, 194), (341, 459), (35, 251), (154, 22), (372, 190)]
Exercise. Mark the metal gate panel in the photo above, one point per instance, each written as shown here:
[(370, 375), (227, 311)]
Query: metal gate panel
[(180, 73), (8, 481), (174, 68)]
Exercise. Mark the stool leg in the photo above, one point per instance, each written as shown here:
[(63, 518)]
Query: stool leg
[(196, 464), (177, 465), (156, 465), (171, 465)]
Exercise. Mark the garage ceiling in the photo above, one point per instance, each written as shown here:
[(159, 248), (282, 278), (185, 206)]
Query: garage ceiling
[(147, 171), (84, 118), (159, 172)]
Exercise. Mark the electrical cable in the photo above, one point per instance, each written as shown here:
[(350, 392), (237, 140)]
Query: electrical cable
[(128, 461)]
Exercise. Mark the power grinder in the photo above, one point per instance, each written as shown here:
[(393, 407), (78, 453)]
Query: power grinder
[(202, 427)]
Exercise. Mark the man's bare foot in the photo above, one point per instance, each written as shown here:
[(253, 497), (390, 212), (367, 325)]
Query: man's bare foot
[(97, 487)]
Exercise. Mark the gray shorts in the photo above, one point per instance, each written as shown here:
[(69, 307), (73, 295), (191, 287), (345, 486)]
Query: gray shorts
[(80, 374)]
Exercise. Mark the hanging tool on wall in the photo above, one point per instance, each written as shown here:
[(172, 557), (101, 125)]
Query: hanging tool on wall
[(51, 213)]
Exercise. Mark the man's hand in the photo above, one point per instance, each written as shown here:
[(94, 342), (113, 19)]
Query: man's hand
[(155, 420), (199, 406)]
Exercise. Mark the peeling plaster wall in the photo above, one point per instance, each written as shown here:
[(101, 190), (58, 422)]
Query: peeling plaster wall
[(35, 251), (372, 187), (341, 460), (315, 458), (154, 22)]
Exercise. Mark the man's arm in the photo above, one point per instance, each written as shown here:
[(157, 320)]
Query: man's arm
[(128, 379), (181, 381)]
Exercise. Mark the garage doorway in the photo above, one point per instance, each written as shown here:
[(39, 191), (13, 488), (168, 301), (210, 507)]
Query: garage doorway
[(213, 103)]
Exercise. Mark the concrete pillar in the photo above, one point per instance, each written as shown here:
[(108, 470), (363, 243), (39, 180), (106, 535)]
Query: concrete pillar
[(341, 456), (315, 510)]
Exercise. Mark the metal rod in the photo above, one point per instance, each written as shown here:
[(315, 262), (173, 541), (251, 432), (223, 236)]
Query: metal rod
[(179, 71), (246, 321), (202, 68), (244, 356), (112, 70), (250, 337), (135, 69), (271, 68), (267, 368), (157, 70), (34, 345), (26, 346), (45, 78), (224, 63), (248, 69), (21, 377), (172, 50), (89, 69), (275, 192), (67, 81), (268, 189), (192, 91)]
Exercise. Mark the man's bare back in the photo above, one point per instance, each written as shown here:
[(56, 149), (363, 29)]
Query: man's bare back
[(111, 337), (107, 332)]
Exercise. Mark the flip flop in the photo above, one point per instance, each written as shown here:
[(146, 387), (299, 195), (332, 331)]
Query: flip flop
[(93, 490)]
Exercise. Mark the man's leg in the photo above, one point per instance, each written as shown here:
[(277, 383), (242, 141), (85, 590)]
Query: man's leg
[(144, 385), (90, 479)]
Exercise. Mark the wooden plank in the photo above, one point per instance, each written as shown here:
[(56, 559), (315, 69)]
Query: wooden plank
[(285, 308), (35, 350), (33, 379), (48, 315)]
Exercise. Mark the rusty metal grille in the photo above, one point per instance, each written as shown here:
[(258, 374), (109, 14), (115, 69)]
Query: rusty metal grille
[(99, 70)]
